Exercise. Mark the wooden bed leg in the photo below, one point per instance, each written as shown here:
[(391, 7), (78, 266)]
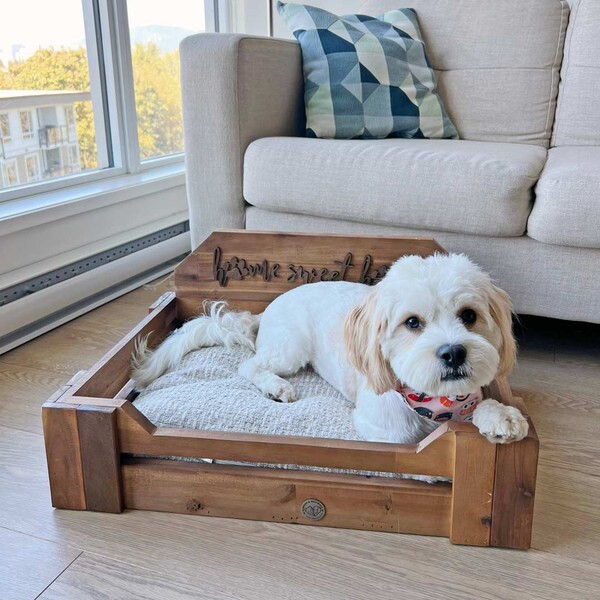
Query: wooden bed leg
[(100, 456), (472, 489), (65, 468), (514, 493)]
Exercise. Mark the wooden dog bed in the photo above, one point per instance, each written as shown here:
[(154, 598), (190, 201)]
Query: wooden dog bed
[(95, 436)]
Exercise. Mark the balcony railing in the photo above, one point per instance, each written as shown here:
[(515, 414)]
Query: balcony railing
[(52, 135)]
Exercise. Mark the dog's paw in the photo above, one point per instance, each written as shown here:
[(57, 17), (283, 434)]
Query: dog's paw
[(277, 388), (499, 423)]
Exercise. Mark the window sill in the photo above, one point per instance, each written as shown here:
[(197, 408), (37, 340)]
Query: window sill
[(31, 211)]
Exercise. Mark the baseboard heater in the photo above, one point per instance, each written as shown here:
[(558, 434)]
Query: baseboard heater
[(46, 301)]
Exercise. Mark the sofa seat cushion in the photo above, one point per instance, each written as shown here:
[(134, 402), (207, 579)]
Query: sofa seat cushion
[(482, 188), (567, 205)]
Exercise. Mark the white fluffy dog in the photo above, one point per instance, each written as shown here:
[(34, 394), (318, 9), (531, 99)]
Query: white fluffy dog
[(436, 324)]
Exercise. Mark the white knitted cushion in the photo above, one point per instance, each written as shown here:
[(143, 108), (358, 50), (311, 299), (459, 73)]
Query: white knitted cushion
[(206, 392)]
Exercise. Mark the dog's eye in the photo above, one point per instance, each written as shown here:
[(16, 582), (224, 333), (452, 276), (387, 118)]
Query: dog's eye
[(468, 316), (413, 323)]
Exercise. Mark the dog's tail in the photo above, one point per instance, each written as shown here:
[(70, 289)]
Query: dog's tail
[(217, 327)]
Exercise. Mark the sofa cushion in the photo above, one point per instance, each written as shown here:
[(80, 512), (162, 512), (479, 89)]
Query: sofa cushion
[(366, 77), (482, 188), (578, 112), (567, 204), (497, 62)]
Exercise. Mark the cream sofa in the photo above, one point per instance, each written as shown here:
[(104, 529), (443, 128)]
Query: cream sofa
[(519, 192)]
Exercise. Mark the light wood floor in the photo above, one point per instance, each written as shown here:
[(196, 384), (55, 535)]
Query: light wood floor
[(140, 555)]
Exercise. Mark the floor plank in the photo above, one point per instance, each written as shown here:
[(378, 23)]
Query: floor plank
[(25, 390), (28, 565), (93, 577)]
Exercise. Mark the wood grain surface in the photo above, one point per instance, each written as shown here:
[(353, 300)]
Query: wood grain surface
[(255, 267)]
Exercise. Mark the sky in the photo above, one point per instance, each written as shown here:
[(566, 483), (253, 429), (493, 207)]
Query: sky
[(37, 24)]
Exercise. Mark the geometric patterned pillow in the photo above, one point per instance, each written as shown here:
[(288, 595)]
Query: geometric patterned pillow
[(366, 77)]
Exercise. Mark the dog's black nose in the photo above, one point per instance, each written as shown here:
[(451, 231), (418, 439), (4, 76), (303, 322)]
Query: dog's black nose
[(452, 356)]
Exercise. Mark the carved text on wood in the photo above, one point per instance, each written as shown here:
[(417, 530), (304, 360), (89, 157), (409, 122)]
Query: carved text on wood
[(239, 269)]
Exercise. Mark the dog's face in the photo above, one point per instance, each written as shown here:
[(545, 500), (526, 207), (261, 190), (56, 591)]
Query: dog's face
[(437, 324)]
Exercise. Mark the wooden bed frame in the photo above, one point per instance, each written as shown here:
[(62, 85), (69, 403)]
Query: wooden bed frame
[(93, 430)]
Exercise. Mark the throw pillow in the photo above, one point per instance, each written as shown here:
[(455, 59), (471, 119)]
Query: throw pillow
[(366, 77)]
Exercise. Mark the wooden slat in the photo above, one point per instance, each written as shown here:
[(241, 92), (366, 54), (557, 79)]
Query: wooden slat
[(196, 278), (514, 494), (63, 454), (472, 489), (515, 480), (381, 504), (138, 436), (112, 371), (100, 458)]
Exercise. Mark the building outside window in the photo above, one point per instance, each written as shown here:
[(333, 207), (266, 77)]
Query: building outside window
[(5, 128), (32, 167), (26, 124), (10, 174)]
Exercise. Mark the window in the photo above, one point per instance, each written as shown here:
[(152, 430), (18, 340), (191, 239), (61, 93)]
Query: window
[(32, 167), (73, 155), (99, 75), (26, 124), (4, 128), (156, 28), (10, 174), (44, 67), (69, 116)]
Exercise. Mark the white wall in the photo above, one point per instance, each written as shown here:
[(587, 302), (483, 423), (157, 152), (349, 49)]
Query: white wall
[(251, 16), (340, 7)]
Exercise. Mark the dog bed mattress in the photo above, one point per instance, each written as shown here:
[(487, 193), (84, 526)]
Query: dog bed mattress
[(205, 392)]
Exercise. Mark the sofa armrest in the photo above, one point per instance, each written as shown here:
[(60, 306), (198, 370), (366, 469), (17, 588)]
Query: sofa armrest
[(235, 89)]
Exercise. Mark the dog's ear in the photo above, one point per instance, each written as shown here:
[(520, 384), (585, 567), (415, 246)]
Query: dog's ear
[(501, 311), (363, 328)]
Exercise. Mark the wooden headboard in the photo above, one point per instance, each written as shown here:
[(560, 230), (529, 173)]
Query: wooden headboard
[(249, 269)]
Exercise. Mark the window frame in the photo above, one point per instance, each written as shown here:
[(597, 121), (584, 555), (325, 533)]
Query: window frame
[(108, 48), (5, 164), (30, 134), (37, 163), (5, 139)]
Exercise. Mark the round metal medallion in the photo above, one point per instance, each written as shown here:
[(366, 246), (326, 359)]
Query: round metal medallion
[(313, 509)]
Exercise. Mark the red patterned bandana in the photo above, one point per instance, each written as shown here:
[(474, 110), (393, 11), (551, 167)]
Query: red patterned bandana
[(441, 408)]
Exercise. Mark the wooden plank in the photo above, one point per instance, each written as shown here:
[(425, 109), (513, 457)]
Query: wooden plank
[(29, 564), (514, 494), (381, 504), (138, 436), (112, 371), (515, 480), (65, 470), (94, 577), (250, 269), (100, 458), (472, 489)]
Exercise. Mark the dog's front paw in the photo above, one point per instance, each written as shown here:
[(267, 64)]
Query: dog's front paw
[(499, 423), (277, 388)]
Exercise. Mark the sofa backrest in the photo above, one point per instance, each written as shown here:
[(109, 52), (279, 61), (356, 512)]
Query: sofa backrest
[(578, 112), (497, 62)]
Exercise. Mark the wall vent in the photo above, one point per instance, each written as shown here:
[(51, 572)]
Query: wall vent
[(41, 282)]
